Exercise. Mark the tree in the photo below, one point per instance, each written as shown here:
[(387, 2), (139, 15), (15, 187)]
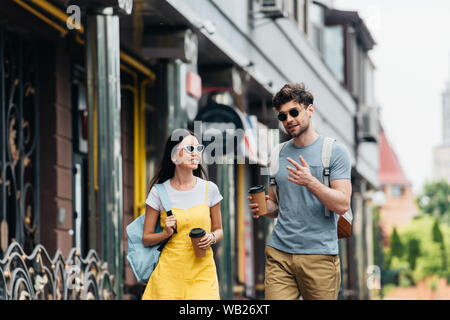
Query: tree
[(435, 200), (413, 252), (432, 255), (377, 232), (437, 237), (395, 248), (437, 233), (396, 244)]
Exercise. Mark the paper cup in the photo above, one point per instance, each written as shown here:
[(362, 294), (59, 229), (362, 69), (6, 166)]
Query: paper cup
[(258, 194), (196, 234)]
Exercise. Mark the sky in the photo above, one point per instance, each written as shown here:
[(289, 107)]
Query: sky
[(412, 60)]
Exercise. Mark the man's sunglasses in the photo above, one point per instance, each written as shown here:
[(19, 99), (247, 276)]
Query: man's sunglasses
[(191, 148), (282, 116)]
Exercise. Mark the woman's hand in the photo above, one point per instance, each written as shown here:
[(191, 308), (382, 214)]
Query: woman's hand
[(206, 241), (171, 223)]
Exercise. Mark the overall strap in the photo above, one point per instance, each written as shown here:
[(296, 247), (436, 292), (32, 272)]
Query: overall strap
[(326, 158), (206, 200)]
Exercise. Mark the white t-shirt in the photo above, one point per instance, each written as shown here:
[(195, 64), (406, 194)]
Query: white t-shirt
[(186, 199)]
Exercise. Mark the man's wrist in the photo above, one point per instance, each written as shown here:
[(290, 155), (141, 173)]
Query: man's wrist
[(271, 205), (312, 183)]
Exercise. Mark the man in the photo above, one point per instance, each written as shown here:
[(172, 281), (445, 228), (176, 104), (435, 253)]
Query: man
[(302, 252)]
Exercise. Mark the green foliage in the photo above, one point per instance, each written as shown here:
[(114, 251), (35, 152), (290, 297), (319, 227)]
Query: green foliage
[(435, 200), (424, 256), (422, 248), (389, 287), (396, 245), (378, 252), (433, 283), (413, 252), (405, 280), (437, 233), (438, 238)]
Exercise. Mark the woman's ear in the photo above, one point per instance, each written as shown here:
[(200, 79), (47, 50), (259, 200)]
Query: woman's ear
[(174, 155), (177, 156)]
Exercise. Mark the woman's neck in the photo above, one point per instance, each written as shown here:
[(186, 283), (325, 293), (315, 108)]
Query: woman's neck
[(183, 178)]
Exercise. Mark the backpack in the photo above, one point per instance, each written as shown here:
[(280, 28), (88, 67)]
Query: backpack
[(344, 229), (143, 259)]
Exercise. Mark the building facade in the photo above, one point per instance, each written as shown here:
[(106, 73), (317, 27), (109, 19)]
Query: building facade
[(441, 163), (399, 207)]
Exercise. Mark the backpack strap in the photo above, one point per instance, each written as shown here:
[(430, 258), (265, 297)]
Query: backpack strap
[(165, 200), (164, 197), (326, 159), (274, 165)]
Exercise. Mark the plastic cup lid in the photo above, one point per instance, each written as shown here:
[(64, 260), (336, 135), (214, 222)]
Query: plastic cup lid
[(256, 189), (197, 233)]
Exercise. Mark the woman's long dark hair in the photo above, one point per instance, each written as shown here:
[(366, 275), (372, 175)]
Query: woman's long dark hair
[(166, 168)]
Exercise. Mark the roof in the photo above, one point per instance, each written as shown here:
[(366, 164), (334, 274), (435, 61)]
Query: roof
[(352, 17), (390, 171)]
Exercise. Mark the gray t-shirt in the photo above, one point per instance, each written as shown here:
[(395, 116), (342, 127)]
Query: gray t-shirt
[(302, 227)]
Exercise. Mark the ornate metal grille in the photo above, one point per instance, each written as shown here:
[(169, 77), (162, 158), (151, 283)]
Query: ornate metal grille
[(19, 141), (37, 277)]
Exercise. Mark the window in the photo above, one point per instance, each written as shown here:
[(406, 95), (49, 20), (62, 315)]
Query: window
[(334, 50), (297, 11), (396, 191), (291, 9), (354, 64), (317, 19), (369, 93)]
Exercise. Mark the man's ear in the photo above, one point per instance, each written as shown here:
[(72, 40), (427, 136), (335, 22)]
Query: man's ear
[(281, 127)]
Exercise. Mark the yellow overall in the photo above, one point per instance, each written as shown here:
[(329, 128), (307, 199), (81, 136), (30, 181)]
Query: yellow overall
[(180, 275)]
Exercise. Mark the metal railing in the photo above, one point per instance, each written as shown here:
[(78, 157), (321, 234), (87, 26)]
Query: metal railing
[(37, 277)]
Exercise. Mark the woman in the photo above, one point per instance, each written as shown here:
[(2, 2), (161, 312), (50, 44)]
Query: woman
[(195, 204)]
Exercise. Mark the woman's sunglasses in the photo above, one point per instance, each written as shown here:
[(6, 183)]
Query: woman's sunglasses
[(191, 148), (282, 116)]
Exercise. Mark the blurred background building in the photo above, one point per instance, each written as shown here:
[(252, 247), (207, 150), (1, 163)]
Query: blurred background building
[(399, 206), (441, 163), (76, 157)]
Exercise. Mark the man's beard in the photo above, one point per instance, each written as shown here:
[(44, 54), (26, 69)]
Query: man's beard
[(300, 132)]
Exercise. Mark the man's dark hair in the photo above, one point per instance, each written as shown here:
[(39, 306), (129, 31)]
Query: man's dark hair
[(292, 91)]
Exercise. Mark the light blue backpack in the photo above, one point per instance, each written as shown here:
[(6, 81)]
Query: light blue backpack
[(142, 259)]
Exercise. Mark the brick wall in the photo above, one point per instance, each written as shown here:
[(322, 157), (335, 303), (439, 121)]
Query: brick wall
[(397, 211)]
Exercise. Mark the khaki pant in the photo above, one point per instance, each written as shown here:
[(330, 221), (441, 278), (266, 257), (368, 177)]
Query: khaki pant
[(313, 276)]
